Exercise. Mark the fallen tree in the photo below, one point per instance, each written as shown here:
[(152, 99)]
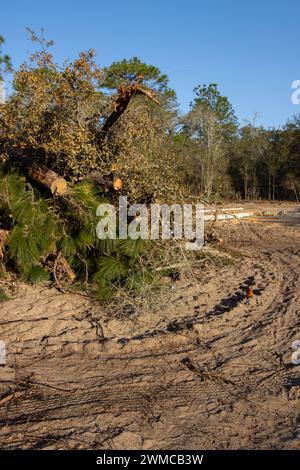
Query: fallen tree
[(125, 94), (60, 132), (56, 184)]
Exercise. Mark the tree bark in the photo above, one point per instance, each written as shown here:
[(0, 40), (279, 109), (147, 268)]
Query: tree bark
[(3, 238), (42, 175), (62, 266), (125, 94), (48, 178), (108, 181)]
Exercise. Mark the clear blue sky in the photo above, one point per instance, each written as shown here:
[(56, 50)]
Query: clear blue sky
[(250, 48)]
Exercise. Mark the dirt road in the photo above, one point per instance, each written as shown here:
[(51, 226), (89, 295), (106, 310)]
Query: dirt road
[(205, 372)]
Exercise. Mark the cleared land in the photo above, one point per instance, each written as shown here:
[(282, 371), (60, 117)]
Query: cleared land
[(204, 371)]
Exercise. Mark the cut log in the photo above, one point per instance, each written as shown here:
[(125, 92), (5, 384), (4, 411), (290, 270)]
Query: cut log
[(42, 175), (47, 178), (117, 184), (108, 181)]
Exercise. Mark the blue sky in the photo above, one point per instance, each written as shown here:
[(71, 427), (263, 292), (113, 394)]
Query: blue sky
[(250, 48)]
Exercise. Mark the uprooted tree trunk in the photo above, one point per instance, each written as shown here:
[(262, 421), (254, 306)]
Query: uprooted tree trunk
[(125, 94)]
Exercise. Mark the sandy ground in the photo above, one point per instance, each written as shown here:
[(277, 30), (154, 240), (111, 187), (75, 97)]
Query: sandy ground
[(205, 371)]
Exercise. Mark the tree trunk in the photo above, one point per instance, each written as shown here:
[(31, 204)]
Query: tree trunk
[(3, 238), (273, 187), (108, 181), (48, 178), (296, 194), (2, 92), (41, 175), (125, 94), (246, 185)]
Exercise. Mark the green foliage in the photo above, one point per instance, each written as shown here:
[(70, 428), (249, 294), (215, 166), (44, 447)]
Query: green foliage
[(34, 228), (118, 265), (40, 228), (111, 268), (37, 274), (265, 163), (127, 71), (5, 62), (144, 281), (210, 97), (132, 248)]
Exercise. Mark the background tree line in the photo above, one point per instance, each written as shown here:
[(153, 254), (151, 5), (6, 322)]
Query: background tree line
[(246, 161), (211, 153)]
